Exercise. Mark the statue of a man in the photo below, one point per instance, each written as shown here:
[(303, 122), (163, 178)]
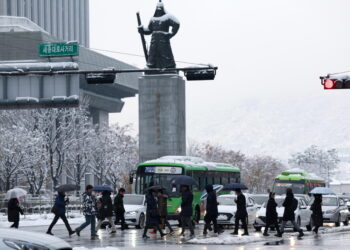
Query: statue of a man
[(162, 27)]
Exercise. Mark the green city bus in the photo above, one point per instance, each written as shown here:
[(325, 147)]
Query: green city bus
[(299, 181), (162, 170)]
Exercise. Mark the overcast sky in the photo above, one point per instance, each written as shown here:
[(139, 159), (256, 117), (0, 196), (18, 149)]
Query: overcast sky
[(263, 48)]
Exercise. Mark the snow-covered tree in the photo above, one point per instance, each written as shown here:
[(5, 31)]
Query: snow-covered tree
[(318, 161), (259, 173)]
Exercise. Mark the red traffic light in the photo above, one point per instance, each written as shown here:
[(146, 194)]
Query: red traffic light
[(329, 84)]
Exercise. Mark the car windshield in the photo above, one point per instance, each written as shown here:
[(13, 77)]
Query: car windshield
[(228, 201), (279, 202), (133, 199), (260, 199), (329, 201)]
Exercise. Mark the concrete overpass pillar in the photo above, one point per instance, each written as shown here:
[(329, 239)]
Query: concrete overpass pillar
[(162, 116)]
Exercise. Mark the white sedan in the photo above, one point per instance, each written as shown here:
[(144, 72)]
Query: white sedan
[(135, 210), (16, 239), (302, 213), (227, 209)]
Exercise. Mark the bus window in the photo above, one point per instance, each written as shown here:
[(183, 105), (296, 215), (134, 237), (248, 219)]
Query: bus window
[(224, 180)]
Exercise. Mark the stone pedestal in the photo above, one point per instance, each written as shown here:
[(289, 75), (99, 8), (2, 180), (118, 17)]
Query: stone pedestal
[(162, 116)]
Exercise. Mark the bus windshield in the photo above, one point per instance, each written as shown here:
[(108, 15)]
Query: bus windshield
[(280, 187), (148, 179)]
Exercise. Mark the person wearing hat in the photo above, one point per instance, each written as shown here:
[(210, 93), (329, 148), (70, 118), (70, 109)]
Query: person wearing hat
[(89, 211), (271, 214)]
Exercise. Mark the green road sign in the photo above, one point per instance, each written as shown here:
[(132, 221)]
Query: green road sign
[(59, 49)]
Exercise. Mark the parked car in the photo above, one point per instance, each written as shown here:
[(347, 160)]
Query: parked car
[(335, 210), (135, 211), (302, 214), (346, 198), (227, 209), (16, 239), (260, 199)]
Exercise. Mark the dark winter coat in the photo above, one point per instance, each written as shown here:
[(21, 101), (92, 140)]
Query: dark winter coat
[(186, 203), (106, 209), (152, 214), (317, 217), (119, 205), (14, 210), (290, 205), (60, 205), (241, 212), (89, 204), (163, 205), (212, 204), (271, 212)]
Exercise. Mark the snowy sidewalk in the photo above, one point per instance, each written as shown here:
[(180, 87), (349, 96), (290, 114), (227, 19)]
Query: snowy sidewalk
[(228, 239)]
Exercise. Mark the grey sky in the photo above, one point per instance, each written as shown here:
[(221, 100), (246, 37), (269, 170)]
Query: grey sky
[(264, 48)]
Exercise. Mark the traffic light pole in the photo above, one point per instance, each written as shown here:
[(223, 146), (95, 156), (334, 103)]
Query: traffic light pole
[(108, 71)]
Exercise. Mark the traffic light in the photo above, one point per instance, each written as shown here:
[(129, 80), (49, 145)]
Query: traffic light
[(200, 75), (329, 83), (100, 78)]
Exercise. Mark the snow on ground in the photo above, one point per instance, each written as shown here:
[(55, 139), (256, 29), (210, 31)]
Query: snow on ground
[(100, 248), (41, 220), (226, 239)]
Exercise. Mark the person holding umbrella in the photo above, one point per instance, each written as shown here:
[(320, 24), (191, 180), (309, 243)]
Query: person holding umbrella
[(106, 210), (317, 217), (186, 209), (211, 211), (241, 213), (59, 209), (89, 211), (13, 196), (163, 210), (152, 215), (290, 205), (119, 209), (14, 210), (271, 214)]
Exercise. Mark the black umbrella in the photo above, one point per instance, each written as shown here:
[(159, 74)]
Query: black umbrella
[(67, 188), (184, 180), (102, 188), (155, 188), (234, 186)]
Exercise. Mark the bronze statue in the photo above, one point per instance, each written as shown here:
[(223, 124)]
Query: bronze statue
[(160, 54)]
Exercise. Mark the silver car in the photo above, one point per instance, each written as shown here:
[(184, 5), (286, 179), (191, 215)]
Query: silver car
[(11, 239), (334, 210)]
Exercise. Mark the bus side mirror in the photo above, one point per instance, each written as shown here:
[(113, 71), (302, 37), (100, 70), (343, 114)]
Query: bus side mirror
[(131, 177)]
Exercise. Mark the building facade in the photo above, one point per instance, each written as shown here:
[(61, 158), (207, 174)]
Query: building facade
[(66, 20)]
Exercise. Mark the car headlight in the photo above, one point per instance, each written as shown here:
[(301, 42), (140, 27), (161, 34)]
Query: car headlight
[(178, 210), (23, 245), (132, 213)]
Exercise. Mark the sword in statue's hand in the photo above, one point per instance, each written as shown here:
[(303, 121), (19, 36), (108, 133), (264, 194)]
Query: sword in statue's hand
[(142, 36)]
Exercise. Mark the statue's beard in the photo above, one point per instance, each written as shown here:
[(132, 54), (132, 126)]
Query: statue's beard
[(159, 12)]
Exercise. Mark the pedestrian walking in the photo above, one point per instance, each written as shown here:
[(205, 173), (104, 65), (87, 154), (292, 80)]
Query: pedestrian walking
[(211, 214), (163, 210), (290, 205), (119, 209), (106, 211), (59, 209), (89, 211), (241, 213), (317, 217), (152, 215), (271, 214), (13, 211), (186, 210)]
